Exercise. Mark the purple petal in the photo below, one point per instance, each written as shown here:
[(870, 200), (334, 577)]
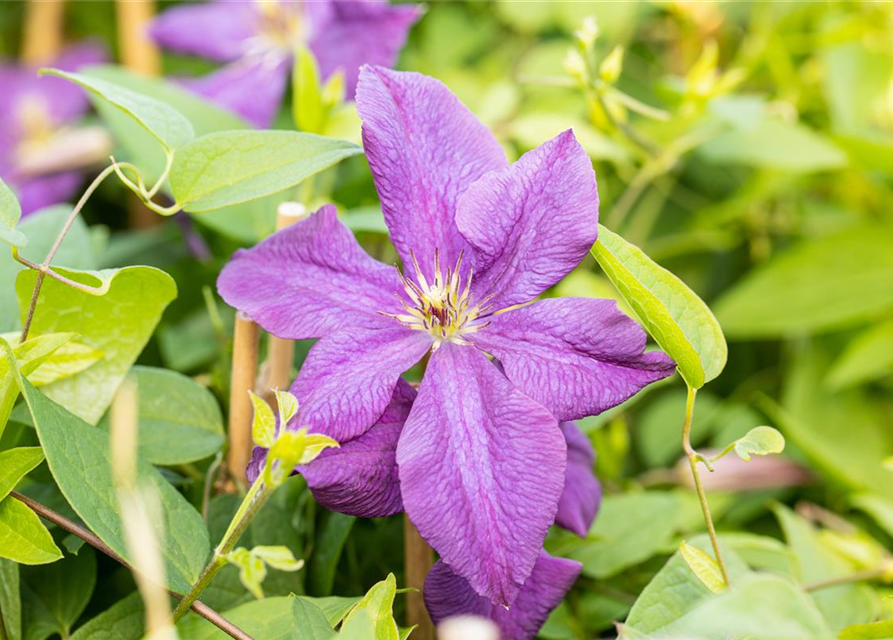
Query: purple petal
[(532, 223), (310, 279), (358, 33), (221, 30), (582, 491), (256, 464), (360, 479), (447, 595), (481, 470), (576, 356), (37, 193), (348, 378), (424, 149), (252, 87)]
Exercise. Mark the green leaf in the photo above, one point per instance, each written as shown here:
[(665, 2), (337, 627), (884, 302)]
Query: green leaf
[(310, 622), (308, 109), (23, 538), (80, 461), (138, 144), (56, 595), (267, 619), (676, 604), (41, 228), (631, 528), (879, 508), (792, 293), (10, 214), (15, 464), (378, 604), (704, 567), (331, 539), (251, 570), (866, 358), (759, 441), (69, 359), (166, 124), (672, 313), (124, 620), (361, 627), (229, 167), (131, 301), (841, 605), (278, 557), (872, 631), (776, 145), (287, 405), (10, 599), (173, 408), (263, 424)]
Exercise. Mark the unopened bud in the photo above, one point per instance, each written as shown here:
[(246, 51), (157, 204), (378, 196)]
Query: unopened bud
[(612, 65), (588, 33), (575, 65)]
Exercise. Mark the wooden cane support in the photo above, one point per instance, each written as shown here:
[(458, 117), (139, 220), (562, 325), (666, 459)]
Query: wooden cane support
[(419, 560), (139, 54), (245, 343), (42, 31), (281, 352)]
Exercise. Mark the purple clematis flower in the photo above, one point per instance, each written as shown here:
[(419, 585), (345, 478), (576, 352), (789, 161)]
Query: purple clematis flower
[(40, 151), (481, 458), (258, 39)]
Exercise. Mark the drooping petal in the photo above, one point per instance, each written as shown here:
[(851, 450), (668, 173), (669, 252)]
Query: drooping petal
[(481, 471), (448, 594), (357, 33), (424, 149), (576, 356), (360, 479), (36, 193), (532, 223), (348, 378), (222, 30), (251, 87), (310, 279), (582, 492)]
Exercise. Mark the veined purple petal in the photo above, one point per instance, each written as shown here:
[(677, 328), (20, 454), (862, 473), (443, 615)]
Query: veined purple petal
[(532, 223), (37, 193), (360, 478), (424, 149), (251, 87), (576, 356), (310, 279), (358, 33), (221, 30), (582, 492), (348, 378), (448, 594), (481, 470), (256, 463)]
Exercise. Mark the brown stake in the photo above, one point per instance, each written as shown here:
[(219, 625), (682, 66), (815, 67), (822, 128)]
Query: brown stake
[(42, 39), (281, 352), (139, 54), (245, 341), (419, 560)]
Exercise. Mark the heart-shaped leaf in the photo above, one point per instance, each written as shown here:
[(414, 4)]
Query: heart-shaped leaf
[(759, 441)]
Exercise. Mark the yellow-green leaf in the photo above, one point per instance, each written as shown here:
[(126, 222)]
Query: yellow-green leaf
[(759, 441), (673, 314), (23, 538), (15, 464), (263, 426), (704, 567)]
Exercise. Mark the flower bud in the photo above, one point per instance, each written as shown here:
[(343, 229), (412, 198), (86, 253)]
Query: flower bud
[(575, 65), (588, 33), (612, 65)]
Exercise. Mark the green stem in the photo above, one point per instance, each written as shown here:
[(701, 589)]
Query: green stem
[(859, 576), (47, 271), (693, 458), (257, 495), (52, 252)]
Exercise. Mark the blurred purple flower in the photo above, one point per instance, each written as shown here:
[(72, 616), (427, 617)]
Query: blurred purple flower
[(40, 151), (481, 458), (258, 39)]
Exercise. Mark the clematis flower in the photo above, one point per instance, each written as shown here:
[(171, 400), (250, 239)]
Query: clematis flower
[(258, 39), (42, 155), (481, 458)]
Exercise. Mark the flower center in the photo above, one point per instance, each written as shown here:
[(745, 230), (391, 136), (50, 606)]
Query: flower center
[(281, 27), (443, 307)]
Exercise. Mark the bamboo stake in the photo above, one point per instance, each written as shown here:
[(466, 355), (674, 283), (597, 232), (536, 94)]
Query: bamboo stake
[(419, 560), (42, 39), (245, 341), (281, 352), (139, 54)]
